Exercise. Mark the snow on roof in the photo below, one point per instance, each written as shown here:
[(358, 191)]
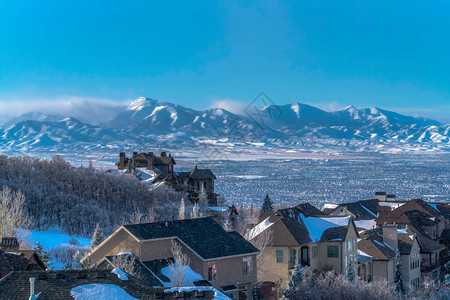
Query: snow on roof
[(363, 253), (189, 278), (219, 208), (383, 244), (147, 175), (218, 295), (366, 224), (316, 225), (433, 205), (393, 205), (121, 274), (369, 211), (258, 229), (330, 206), (98, 291)]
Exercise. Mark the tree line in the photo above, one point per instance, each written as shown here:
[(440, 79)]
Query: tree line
[(76, 199)]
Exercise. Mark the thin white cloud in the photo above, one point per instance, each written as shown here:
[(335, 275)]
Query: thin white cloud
[(233, 106), (90, 110)]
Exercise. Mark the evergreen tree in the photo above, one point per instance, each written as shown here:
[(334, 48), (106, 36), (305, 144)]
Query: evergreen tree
[(43, 255), (267, 206), (98, 236), (295, 283), (398, 276)]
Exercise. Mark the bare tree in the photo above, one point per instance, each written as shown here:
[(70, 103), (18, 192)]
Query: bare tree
[(179, 267), (182, 211), (126, 262), (13, 219)]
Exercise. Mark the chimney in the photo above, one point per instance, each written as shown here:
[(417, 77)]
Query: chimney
[(122, 158), (380, 196), (150, 161), (390, 235), (9, 243), (32, 296), (163, 154), (391, 197)]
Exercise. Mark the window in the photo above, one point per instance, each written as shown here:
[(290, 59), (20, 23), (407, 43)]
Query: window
[(332, 251), (212, 271), (314, 252), (293, 257), (279, 254), (305, 256), (246, 265)]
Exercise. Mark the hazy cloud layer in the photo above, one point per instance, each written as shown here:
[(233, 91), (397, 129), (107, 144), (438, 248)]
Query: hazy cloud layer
[(89, 110)]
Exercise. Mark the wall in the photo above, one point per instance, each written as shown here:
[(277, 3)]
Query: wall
[(121, 241)]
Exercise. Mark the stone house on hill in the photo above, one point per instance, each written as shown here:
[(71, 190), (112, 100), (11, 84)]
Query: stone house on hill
[(318, 242), (225, 259), (197, 183)]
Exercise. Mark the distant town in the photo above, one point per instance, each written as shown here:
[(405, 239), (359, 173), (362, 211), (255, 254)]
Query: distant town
[(199, 247)]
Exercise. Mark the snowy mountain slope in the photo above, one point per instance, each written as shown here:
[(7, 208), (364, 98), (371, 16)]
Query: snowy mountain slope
[(153, 122)]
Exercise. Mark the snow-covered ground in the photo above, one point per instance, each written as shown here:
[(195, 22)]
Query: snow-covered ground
[(100, 291), (54, 238)]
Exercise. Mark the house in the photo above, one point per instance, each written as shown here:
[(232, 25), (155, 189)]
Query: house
[(382, 244), (225, 259), (197, 183), (14, 259), (304, 234), (428, 223), (360, 210), (56, 285), (163, 163)]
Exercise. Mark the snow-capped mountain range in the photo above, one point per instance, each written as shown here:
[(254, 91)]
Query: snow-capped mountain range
[(145, 123)]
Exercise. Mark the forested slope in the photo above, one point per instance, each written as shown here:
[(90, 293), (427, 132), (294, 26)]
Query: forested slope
[(77, 198)]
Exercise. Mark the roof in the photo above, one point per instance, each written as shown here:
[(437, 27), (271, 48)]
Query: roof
[(204, 236), (19, 260), (372, 244), (291, 227), (141, 271), (310, 210), (58, 284), (396, 214), (406, 241), (363, 209), (199, 174)]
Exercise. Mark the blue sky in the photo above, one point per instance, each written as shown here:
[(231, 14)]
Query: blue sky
[(389, 54)]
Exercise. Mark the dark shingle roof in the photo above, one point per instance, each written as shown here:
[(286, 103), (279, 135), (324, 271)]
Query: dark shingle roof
[(58, 284), (363, 209), (289, 227), (140, 269), (19, 260), (445, 236), (200, 174), (372, 244), (207, 238), (413, 205), (310, 210)]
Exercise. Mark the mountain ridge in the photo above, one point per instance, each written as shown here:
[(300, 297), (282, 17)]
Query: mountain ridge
[(147, 121)]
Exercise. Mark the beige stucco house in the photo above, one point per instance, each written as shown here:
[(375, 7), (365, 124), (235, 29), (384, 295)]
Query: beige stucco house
[(225, 259), (304, 234)]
